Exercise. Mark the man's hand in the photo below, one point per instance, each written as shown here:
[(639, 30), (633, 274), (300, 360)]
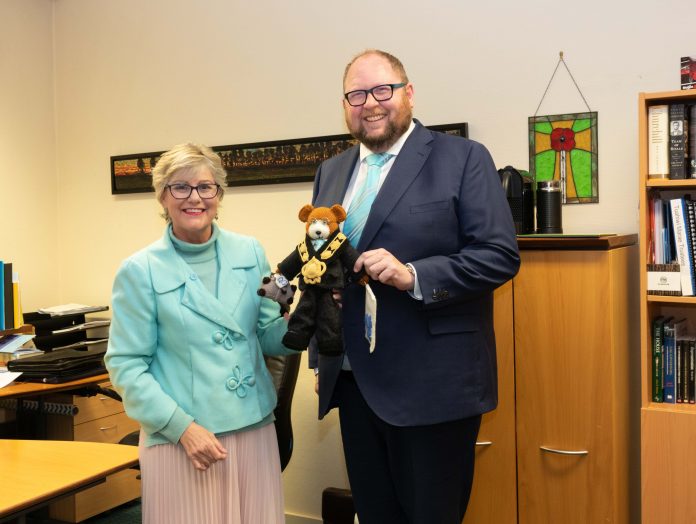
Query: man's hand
[(202, 447), (381, 265)]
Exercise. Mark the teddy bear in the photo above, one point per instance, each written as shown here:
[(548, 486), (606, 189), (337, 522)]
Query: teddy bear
[(323, 261)]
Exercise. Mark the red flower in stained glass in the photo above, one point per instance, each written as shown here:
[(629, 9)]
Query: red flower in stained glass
[(562, 139)]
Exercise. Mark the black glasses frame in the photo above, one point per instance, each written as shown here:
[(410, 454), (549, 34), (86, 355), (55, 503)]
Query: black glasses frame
[(191, 188), (372, 92)]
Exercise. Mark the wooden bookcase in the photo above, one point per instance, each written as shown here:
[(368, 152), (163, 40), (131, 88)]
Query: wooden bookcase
[(668, 449)]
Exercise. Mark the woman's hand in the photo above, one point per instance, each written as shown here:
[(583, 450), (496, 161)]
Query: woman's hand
[(202, 447)]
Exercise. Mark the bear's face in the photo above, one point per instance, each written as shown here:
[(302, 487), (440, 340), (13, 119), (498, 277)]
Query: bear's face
[(319, 227), (321, 222)]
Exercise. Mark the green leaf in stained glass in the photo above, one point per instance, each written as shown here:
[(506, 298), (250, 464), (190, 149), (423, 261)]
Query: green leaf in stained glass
[(581, 124), (543, 127), (581, 162), (545, 164)]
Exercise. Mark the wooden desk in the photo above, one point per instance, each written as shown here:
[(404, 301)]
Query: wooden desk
[(27, 389), (98, 419), (38, 472)]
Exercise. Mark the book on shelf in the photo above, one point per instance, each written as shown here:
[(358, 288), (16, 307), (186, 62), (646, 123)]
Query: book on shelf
[(681, 364), (692, 141), (657, 357), (658, 141), (672, 141), (687, 343), (664, 280), (687, 72), (669, 349), (691, 381), (17, 301), (682, 243), (8, 295), (691, 225), (678, 141)]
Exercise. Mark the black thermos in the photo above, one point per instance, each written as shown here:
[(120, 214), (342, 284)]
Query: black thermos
[(549, 207)]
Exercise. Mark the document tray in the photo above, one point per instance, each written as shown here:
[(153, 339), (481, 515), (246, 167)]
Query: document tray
[(61, 365)]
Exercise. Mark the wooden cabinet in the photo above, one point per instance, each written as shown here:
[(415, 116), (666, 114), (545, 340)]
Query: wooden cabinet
[(98, 419), (561, 437), (668, 454), (494, 494), (572, 352)]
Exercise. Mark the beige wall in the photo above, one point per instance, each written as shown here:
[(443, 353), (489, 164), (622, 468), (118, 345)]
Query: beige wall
[(28, 187), (133, 76)]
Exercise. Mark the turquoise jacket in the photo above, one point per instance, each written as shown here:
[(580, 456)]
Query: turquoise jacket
[(177, 353)]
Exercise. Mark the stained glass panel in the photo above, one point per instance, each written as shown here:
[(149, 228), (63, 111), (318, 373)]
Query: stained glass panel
[(564, 148)]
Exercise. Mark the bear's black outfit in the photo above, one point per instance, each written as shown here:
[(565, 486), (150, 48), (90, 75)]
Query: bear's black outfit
[(320, 271)]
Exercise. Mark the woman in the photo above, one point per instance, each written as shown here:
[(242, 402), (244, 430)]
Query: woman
[(186, 347)]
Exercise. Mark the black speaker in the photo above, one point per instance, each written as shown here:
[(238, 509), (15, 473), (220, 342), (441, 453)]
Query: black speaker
[(549, 207), (520, 196)]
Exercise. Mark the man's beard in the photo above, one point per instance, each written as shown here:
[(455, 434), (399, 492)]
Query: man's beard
[(395, 128)]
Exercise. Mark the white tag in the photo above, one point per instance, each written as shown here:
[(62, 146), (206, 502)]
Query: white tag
[(370, 317)]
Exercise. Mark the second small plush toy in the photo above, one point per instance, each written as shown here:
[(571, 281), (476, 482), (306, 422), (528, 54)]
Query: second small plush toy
[(323, 261)]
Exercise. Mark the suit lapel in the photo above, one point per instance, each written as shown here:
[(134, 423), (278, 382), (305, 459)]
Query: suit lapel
[(406, 168), (335, 183)]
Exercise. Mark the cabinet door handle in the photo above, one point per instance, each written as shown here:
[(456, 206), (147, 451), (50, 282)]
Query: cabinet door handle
[(484, 443), (563, 451), (107, 427)]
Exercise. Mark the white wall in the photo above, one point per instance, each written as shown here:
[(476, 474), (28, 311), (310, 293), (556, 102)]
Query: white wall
[(135, 76)]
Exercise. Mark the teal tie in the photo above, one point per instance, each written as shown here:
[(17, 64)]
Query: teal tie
[(363, 197)]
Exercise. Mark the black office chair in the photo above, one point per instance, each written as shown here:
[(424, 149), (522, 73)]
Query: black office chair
[(284, 371)]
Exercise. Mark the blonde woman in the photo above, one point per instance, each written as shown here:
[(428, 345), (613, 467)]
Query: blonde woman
[(186, 349)]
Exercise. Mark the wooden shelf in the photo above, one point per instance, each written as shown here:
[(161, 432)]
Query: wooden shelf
[(684, 301), (670, 184)]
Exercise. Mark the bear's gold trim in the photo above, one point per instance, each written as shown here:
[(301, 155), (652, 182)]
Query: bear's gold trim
[(313, 270), (334, 246)]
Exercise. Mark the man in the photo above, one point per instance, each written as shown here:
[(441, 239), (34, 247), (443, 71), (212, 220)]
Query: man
[(438, 239)]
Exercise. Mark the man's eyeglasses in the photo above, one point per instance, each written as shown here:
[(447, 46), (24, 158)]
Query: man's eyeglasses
[(205, 191), (380, 93)]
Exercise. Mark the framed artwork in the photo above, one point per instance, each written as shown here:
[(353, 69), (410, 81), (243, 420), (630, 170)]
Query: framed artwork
[(564, 148), (133, 173), (277, 162)]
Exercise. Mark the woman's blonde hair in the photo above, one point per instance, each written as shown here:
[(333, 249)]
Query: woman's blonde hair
[(187, 157)]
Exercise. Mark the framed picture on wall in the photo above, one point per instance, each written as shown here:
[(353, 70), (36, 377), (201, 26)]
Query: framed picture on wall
[(276, 162)]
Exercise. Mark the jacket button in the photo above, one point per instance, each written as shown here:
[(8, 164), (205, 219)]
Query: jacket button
[(193, 276), (218, 337)]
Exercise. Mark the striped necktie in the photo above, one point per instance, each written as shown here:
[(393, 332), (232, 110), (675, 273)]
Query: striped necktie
[(363, 197)]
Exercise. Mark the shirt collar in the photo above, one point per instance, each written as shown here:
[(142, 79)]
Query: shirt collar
[(394, 149)]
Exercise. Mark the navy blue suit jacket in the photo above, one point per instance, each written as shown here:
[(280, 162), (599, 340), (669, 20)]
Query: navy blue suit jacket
[(441, 208)]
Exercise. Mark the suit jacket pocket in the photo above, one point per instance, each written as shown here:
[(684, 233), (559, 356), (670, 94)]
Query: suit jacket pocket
[(430, 207), (442, 325)]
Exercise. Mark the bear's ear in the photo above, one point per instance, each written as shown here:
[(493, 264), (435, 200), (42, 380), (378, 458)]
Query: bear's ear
[(305, 211), (338, 212)]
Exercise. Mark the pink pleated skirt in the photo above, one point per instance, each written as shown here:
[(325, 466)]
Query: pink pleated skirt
[(245, 488)]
